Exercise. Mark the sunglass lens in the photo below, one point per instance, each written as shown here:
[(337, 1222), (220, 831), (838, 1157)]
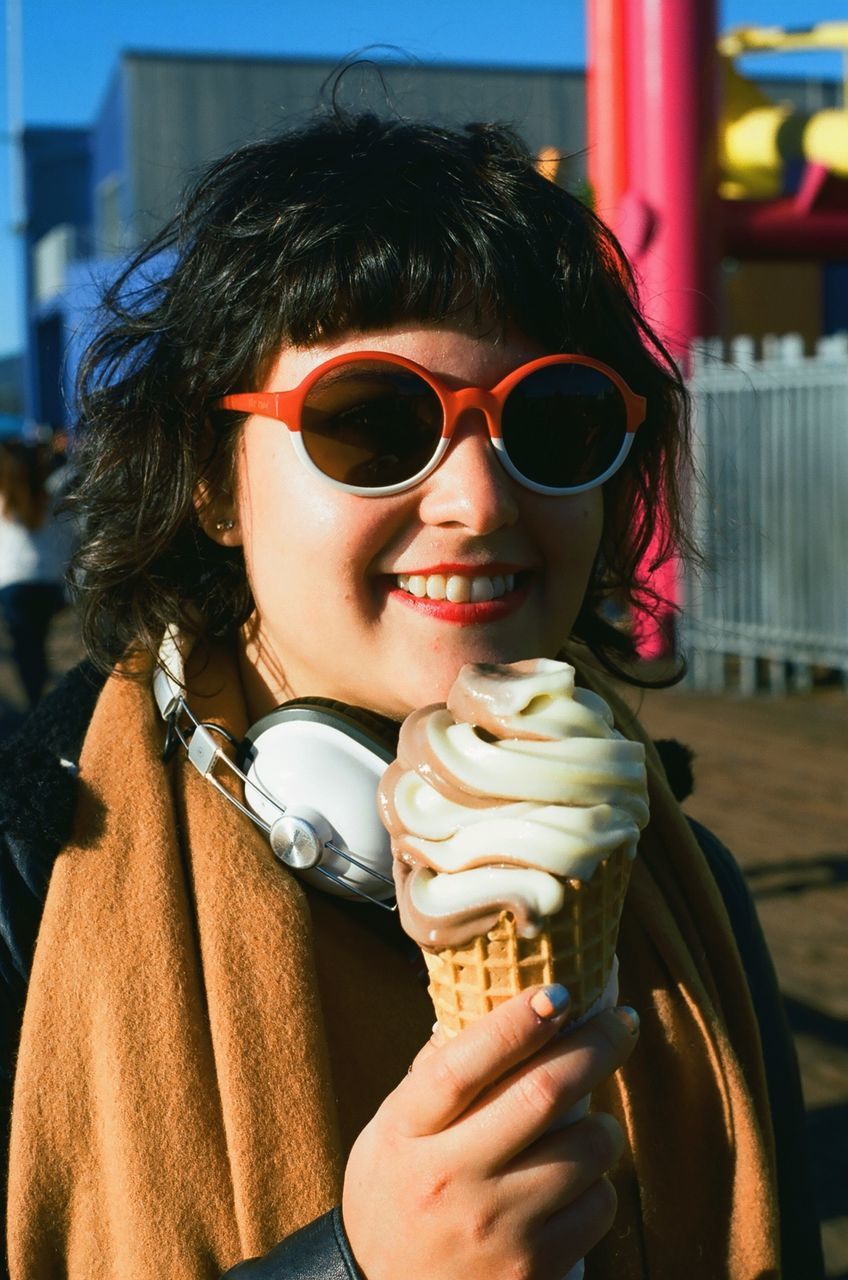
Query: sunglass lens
[(371, 425), (564, 425)]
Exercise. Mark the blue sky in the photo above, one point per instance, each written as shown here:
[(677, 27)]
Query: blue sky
[(69, 50)]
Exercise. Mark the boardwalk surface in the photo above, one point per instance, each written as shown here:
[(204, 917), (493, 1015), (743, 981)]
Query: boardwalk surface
[(772, 782)]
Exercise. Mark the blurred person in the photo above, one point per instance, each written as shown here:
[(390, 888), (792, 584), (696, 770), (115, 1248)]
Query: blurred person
[(35, 547)]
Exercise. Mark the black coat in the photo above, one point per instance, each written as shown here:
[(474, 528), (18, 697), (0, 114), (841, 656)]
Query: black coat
[(38, 770)]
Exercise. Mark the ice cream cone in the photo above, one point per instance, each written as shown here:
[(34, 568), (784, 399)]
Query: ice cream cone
[(576, 947)]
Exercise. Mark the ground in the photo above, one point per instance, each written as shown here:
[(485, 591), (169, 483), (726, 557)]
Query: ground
[(771, 782)]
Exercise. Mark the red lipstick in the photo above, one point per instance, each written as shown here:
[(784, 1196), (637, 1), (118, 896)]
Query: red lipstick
[(470, 613)]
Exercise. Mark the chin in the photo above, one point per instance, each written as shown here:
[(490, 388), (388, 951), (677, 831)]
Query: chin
[(398, 704), (432, 687), (422, 684)]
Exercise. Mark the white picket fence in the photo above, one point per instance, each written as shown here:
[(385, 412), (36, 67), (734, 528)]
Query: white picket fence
[(771, 514)]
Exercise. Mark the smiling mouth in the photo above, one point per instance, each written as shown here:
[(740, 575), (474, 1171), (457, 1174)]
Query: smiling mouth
[(459, 588)]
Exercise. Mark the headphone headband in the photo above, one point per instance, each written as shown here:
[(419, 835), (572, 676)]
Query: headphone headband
[(324, 756), (375, 732), (169, 675)]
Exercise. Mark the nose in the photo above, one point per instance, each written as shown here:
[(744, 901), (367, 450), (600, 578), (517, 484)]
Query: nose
[(469, 487)]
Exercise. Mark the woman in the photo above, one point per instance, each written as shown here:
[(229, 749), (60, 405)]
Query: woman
[(268, 470)]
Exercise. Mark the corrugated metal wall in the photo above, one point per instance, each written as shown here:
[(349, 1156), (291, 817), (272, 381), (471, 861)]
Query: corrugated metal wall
[(183, 112)]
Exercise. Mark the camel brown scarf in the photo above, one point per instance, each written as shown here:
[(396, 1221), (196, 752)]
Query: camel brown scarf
[(203, 1039)]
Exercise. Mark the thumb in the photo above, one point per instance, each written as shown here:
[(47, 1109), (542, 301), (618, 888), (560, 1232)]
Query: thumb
[(447, 1077)]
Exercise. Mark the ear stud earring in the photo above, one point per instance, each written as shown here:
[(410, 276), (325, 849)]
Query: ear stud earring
[(224, 525)]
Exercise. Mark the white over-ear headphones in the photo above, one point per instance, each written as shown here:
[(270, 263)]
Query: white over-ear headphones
[(316, 754)]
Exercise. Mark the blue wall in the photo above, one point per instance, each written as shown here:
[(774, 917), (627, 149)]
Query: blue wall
[(63, 172), (87, 281), (80, 307), (57, 178)]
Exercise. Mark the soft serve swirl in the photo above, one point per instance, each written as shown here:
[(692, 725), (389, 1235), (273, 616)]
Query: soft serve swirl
[(519, 783)]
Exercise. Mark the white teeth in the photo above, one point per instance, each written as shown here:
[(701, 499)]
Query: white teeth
[(458, 590), (482, 589), (456, 587)]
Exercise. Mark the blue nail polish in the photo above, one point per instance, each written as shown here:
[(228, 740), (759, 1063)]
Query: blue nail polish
[(551, 1001), (629, 1017)]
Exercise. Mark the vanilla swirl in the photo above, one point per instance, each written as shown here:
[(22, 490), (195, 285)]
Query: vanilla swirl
[(519, 783)]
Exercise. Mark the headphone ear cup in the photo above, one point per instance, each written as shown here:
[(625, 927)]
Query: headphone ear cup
[(317, 758), (381, 729)]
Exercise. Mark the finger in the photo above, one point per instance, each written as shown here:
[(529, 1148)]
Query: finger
[(568, 1235), (517, 1110), (445, 1082), (561, 1165)]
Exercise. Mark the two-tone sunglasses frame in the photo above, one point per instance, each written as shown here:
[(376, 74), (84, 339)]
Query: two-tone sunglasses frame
[(287, 407)]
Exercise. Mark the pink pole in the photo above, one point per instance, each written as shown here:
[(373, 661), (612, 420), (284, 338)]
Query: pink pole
[(669, 220), (673, 111), (606, 105), (664, 119)]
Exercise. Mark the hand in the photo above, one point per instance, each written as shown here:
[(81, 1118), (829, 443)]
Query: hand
[(458, 1174)]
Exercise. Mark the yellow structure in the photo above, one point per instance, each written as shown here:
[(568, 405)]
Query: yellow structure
[(757, 135)]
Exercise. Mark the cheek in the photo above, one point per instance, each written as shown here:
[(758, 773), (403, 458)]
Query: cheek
[(572, 549), (574, 535), (592, 527), (300, 535), (278, 524)]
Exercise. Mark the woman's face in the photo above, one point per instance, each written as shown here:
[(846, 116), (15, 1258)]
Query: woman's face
[(329, 570)]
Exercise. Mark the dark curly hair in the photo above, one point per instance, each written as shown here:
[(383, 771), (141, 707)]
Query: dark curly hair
[(351, 223)]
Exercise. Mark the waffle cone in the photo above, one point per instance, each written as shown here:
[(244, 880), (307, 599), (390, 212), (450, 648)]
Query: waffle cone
[(575, 947)]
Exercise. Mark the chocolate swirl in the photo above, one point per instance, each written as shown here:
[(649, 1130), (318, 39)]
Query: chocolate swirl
[(519, 783)]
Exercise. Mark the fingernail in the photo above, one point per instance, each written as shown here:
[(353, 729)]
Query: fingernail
[(551, 1001), (629, 1017)]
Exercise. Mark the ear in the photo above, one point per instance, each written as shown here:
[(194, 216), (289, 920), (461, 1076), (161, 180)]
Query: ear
[(217, 514)]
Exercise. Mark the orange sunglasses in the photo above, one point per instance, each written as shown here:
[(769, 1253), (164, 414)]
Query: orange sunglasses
[(373, 423)]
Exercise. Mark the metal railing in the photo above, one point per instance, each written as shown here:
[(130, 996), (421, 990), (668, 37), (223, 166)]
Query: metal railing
[(771, 515)]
